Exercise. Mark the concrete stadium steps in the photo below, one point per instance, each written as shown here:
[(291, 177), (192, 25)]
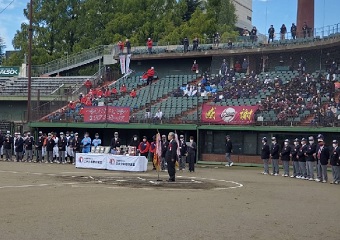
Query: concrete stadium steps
[(47, 86)]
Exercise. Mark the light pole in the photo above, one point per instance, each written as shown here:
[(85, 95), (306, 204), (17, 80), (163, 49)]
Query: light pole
[(29, 84)]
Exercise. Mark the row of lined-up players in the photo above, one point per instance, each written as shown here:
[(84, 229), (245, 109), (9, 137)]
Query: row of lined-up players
[(307, 157)]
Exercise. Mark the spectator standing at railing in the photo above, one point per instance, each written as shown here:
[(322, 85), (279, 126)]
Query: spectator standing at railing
[(253, 34), (305, 30), (245, 32), (195, 44), (302, 66), (128, 46), (185, 44), (283, 31), (121, 47), (293, 30), (217, 39), (149, 43), (271, 33)]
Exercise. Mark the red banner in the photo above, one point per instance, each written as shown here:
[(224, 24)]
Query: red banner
[(118, 114), (97, 114), (234, 115)]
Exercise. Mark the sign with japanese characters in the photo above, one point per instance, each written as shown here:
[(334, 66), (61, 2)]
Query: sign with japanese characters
[(99, 114), (233, 115)]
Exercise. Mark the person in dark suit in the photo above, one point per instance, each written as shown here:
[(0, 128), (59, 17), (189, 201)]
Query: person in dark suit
[(49, 148), (294, 152), (165, 145), (302, 159), (171, 156), (323, 157), (19, 147), (265, 153), (228, 151), (274, 155), (192, 154), (285, 157), (310, 160), (115, 144), (335, 162)]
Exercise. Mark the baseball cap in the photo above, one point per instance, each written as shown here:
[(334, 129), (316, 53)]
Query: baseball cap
[(286, 140), (320, 136), (144, 137), (273, 138), (320, 140), (297, 140), (61, 133), (303, 140), (228, 136), (311, 138), (335, 141), (264, 139), (181, 136), (163, 136)]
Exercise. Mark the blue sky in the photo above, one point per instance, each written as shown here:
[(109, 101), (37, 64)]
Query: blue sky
[(278, 12)]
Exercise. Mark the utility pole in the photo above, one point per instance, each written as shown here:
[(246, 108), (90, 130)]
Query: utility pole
[(29, 84)]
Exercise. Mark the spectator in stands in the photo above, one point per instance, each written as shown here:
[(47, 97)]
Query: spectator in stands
[(107, 92), (305, 30), (194, 67), (128, 46), (150, 74), (217, 39), (195, 44), (133, 93), (123, 89), (88, 85), (158, 116), (230, 44), (245, 65), (224, 68), (293, 30), (302, 66), (149, 43), (121, 47), (253, 34), (71, 105), (283, 31), (99, 93), (101, 101), (238, 67), (332, 71), (271, 33), (147, 115), (113, 92)]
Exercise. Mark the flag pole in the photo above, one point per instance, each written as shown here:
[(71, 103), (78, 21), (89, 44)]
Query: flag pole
[(158, 140)]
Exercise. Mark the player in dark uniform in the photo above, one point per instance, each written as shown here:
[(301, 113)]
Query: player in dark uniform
[(285, 157), (302, 159), (335, 162), (171, 156), (265, 154), (294, 152)]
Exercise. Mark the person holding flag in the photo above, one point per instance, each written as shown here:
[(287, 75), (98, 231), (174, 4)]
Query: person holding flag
[(157, 157)]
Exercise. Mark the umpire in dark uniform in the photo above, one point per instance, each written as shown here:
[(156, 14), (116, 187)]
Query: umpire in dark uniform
[(265, 154), (285, 158), (171, 156)]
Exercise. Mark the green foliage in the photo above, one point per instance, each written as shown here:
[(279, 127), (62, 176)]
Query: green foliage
[(74, 25), (2, 50)]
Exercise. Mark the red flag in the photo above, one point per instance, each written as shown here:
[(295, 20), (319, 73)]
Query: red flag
[(158, 152)]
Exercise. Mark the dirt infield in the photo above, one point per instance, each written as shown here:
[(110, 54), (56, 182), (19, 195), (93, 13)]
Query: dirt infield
[(43, 201)]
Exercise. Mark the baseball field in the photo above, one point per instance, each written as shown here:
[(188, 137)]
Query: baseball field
[(45, 201)]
